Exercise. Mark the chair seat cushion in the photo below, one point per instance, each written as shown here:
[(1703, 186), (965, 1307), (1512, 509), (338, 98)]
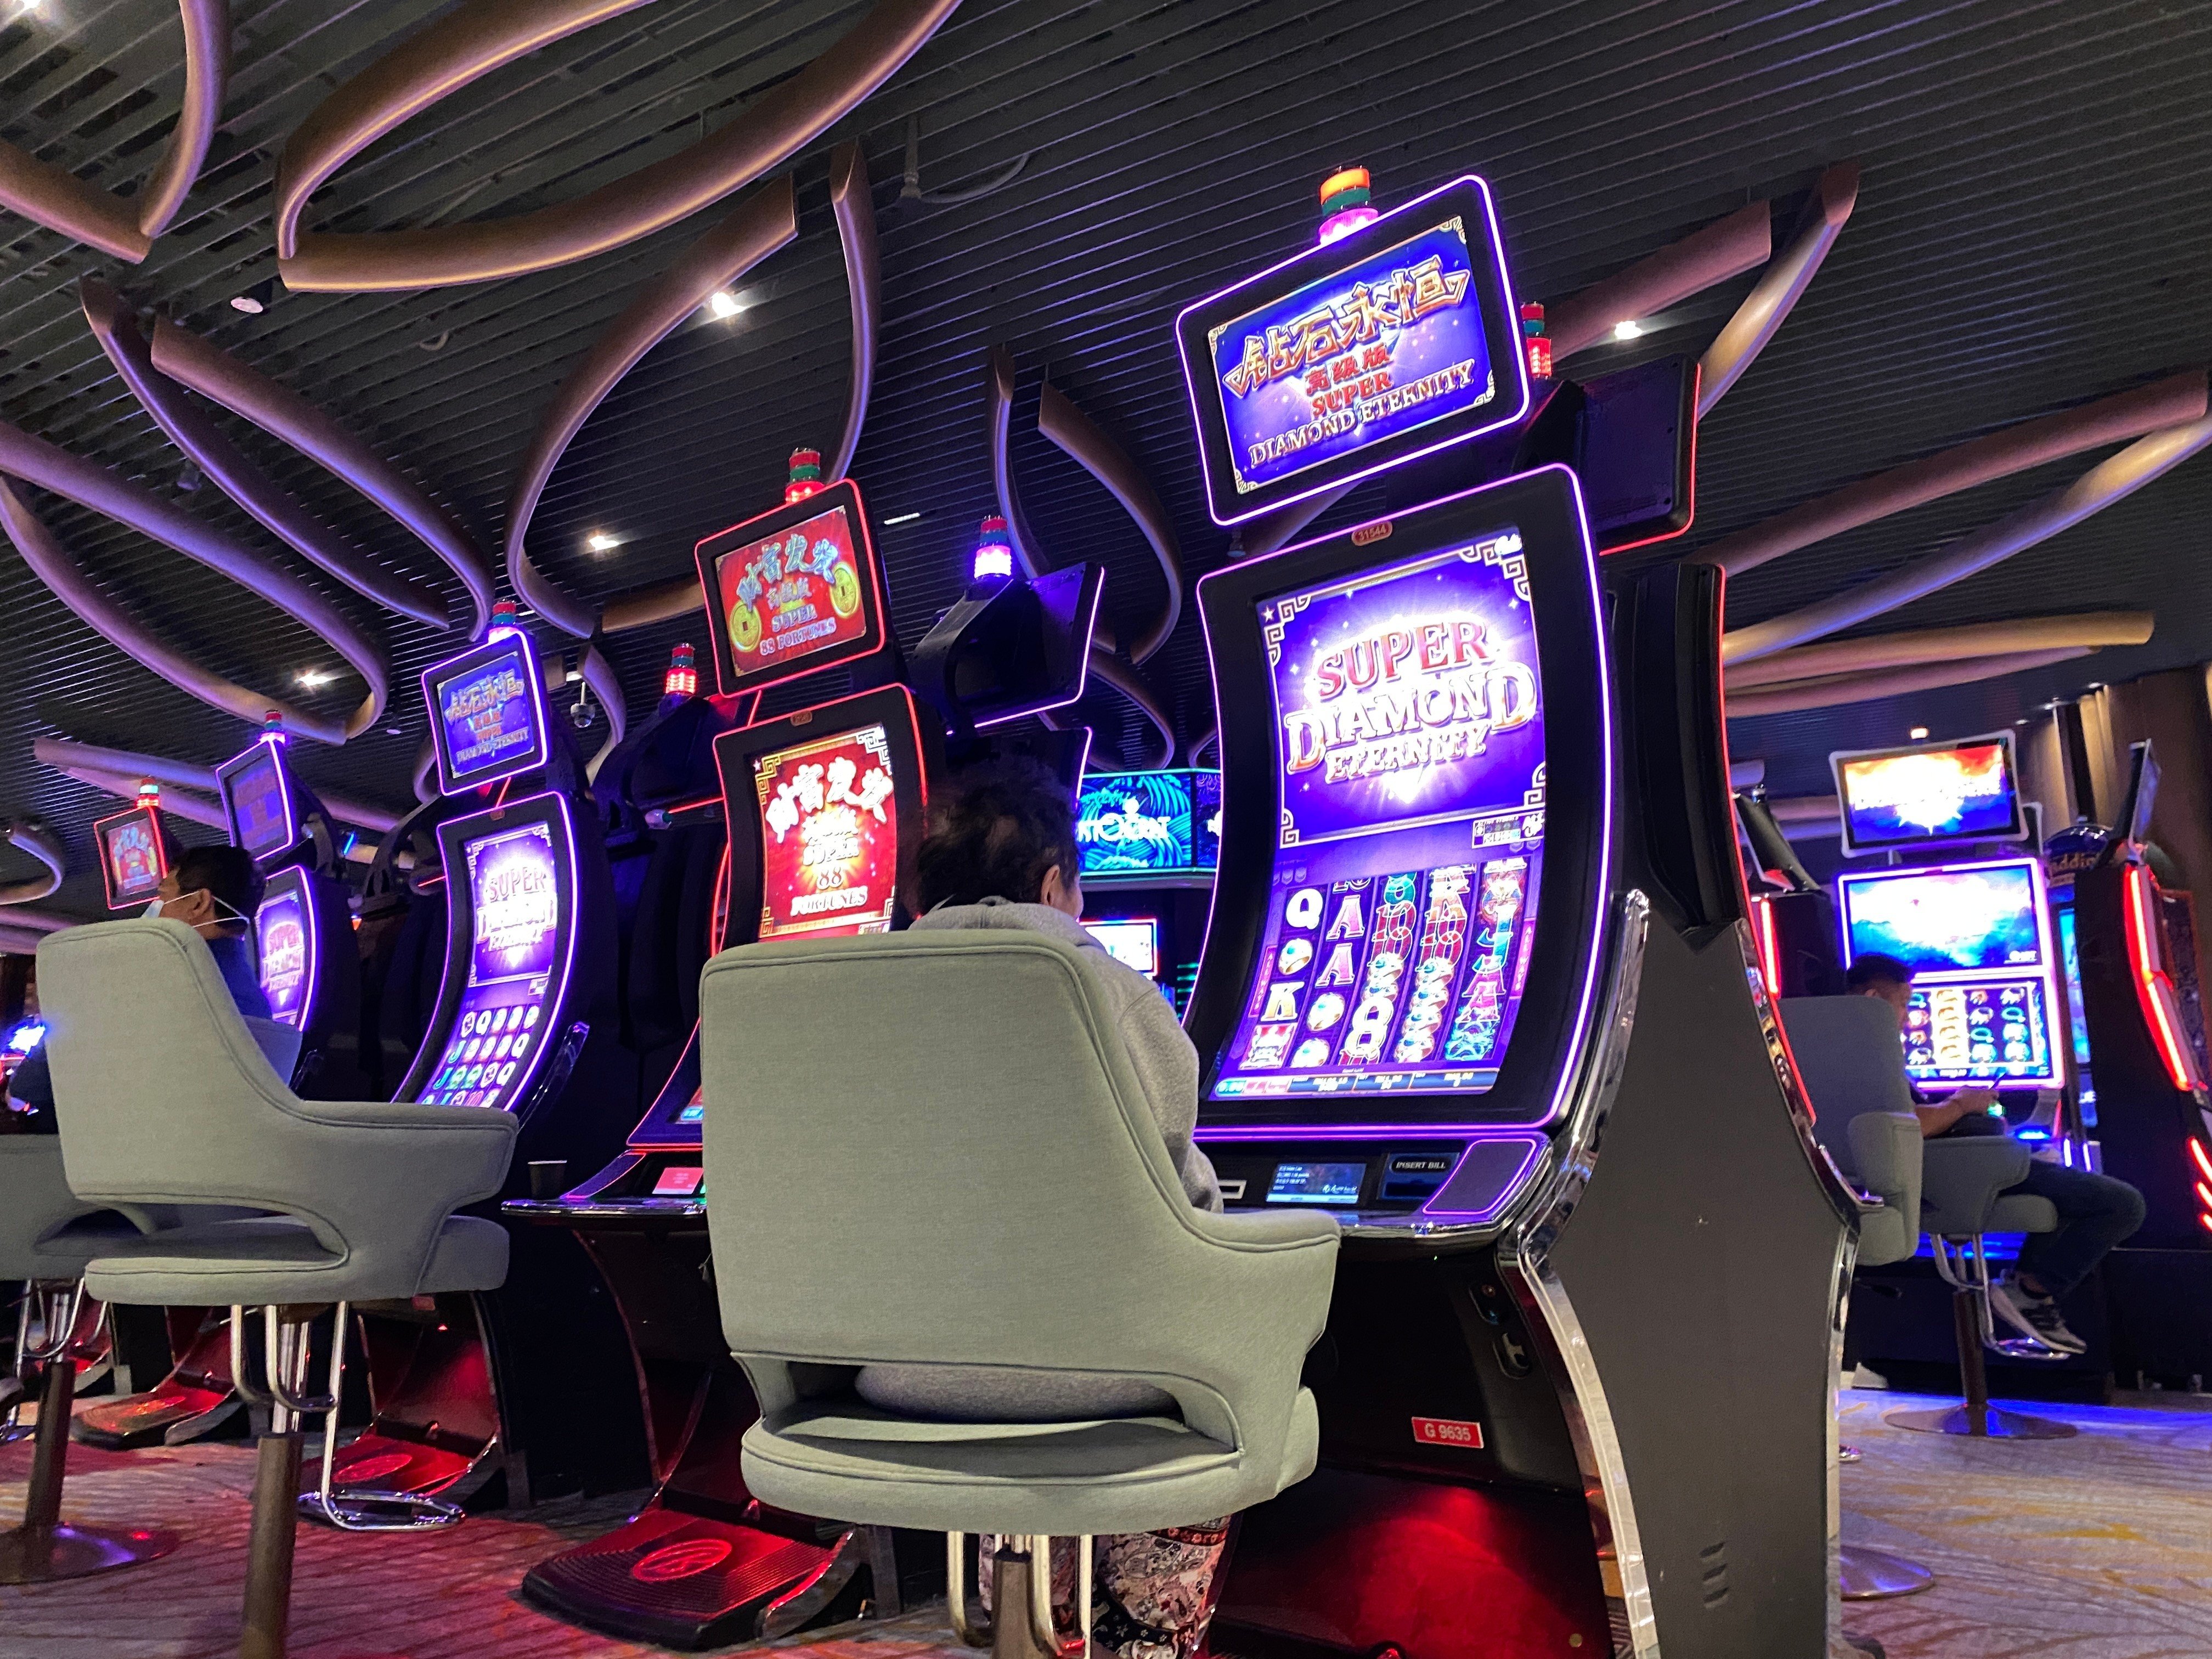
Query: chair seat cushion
[(1885, 1236), (278, 1258), (848, 1460), (2022, 1212)]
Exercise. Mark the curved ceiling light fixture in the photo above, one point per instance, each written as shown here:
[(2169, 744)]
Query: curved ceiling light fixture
[(279, 511), (65, 752), (479, 36), (284, 414), (1727, 247), (2088, 630), (1764, 311), (29, 835), (126, 228), (2111, 480), (60, 573), (999, 419), (2173, 401), (763, 222), (854, 208), (1832, 691), (34, 461), (1068, 426)]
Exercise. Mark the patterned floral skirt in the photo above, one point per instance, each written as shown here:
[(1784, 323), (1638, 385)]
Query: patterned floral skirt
[(1151, 1593)]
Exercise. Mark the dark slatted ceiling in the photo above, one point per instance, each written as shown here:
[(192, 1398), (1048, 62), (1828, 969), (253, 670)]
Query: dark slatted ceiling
[(2028, 236)]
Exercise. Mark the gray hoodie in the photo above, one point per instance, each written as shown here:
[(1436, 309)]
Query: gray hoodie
[(1167, 1068)]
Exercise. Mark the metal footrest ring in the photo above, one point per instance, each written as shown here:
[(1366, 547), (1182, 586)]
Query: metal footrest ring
[(367, 1511)]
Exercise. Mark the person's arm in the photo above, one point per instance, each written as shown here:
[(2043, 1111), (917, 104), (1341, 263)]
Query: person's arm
[(30, 1092), (1944, 1115), (1167, 1068)]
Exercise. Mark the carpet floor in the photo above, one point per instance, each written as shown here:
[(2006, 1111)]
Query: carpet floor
[(2096, 1547)]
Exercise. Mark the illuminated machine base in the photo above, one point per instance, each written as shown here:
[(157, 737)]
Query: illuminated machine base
[(690, 1581), (434, 1429)]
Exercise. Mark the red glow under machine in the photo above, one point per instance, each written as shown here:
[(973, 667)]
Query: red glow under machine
[(1478, 980)]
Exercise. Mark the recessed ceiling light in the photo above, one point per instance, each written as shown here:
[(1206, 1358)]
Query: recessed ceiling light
[(901, 517), (2096, 685), (256, 299), (395, 731), (1918, 732), (723, 304), (313, 678), (1628, 329), (599, 542), (573, 676)]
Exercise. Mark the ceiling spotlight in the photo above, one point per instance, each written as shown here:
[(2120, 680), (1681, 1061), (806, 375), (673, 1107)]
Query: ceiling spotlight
[(315, 678), (723, 305), (901, 518), (599, 542), (2096, 685), (573, 676), (395, 731), (256, 299), (1629, 329), (188, 478), (1918, 732)]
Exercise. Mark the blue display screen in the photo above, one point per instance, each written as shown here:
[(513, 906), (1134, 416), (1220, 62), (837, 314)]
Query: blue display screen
[(1145, 823), (489, 715), (1960, 918), (1316, 1183), (1958, 793)]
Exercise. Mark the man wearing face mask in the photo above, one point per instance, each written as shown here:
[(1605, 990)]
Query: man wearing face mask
[(213, 890)]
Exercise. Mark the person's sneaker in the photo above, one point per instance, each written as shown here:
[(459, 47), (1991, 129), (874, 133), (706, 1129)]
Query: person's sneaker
[(2036, 1317)]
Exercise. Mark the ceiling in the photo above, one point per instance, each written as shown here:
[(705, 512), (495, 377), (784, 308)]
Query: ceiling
[(2029, 235)]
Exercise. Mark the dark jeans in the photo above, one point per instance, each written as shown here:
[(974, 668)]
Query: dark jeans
[(2095, 1212)]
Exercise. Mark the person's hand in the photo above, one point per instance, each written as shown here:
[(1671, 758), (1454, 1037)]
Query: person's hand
[(1972, 1100)]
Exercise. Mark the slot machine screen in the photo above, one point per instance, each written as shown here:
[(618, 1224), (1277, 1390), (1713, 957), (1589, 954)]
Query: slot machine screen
[(830, 835), (1409, 736), (1916, 796), (1978, 939), (1129, 825), (258, 802), (792, 591), (282, 932), (1133, 941), (132, 856), (516, 900), (1388, 342), (489, 718)]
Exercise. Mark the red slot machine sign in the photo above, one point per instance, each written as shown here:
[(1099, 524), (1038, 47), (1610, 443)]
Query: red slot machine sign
[(829, 835)]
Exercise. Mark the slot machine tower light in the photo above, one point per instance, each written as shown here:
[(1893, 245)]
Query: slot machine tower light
[(805, 475)]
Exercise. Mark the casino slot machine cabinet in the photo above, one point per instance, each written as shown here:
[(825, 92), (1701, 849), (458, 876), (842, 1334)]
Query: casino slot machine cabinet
[(824, 808), (525, 1383), (2143, 1100), (1148, 844), (1479, 980)]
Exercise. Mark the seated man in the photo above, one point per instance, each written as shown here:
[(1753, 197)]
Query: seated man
[(1001, 854), (2095, 1211), (214, 891)]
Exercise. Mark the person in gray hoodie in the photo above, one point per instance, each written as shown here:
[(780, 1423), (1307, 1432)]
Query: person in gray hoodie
[(999, 854)]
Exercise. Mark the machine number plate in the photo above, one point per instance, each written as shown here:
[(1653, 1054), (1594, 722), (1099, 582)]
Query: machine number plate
[(1448, 1432)]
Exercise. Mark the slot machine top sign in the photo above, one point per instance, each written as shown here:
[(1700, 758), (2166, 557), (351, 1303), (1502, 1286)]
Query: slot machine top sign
[(488, 719), (134, 856), (257, 800), (1928, 794), (792, 591), (1388, 342)]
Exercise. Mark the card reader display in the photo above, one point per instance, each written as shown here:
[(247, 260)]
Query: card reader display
[(1334, 1184)]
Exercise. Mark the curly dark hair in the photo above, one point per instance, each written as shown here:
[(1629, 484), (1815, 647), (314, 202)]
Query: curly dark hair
[(995, 831)]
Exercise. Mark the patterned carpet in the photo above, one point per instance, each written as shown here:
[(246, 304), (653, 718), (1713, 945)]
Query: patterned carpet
[(2098, 1547)]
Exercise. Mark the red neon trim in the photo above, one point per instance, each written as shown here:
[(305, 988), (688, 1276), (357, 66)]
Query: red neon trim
[(2204, 1195), (2207, 1220), (1697, 385), (2196, 1151), (2154, 987)]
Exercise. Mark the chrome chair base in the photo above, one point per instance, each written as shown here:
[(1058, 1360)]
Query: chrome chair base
[(44, 1555), (1985, 1423), (365, 1510), (1876, 1574)]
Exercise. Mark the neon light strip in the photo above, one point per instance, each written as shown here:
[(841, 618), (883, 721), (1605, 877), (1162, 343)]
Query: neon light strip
[(1594, 954), (2196, 1151), (1520, 365), (2154, 989)]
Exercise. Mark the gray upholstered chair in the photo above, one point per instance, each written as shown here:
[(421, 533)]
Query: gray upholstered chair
[(1957, 1185), (931, 1149), (165, 1099), (46, 1236)]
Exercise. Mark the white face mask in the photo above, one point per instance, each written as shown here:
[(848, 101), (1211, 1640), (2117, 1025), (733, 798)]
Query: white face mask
[(223, 912), (151, 911)]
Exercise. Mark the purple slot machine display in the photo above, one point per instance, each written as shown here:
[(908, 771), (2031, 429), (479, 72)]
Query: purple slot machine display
[(1479, 980), (521, 1391), (823, 812), (303, 931)]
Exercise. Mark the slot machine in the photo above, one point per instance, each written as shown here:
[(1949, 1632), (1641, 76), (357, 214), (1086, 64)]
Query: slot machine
[(303, 931), (1148, 843), (2144, 1097), (1479, 980)]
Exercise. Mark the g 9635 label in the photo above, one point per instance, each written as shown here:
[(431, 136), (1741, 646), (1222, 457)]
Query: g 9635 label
[(1448, 1432)]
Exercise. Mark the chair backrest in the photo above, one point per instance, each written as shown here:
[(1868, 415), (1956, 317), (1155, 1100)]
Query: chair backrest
[(137, 1012), (279, 1044), (930, 1147), (1852, 1059)]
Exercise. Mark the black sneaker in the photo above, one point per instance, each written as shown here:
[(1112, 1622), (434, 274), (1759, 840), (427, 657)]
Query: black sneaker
[(2034, 1316)]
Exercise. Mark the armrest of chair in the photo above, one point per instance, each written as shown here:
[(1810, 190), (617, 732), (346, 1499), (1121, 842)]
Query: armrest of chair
[(1960, 1181), (1887, 1150), (473, 1146), (1269, 1229)]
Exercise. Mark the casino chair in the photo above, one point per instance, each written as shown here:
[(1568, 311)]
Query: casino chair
[(898, 1180), (1961, 1194), (166, 1100)]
